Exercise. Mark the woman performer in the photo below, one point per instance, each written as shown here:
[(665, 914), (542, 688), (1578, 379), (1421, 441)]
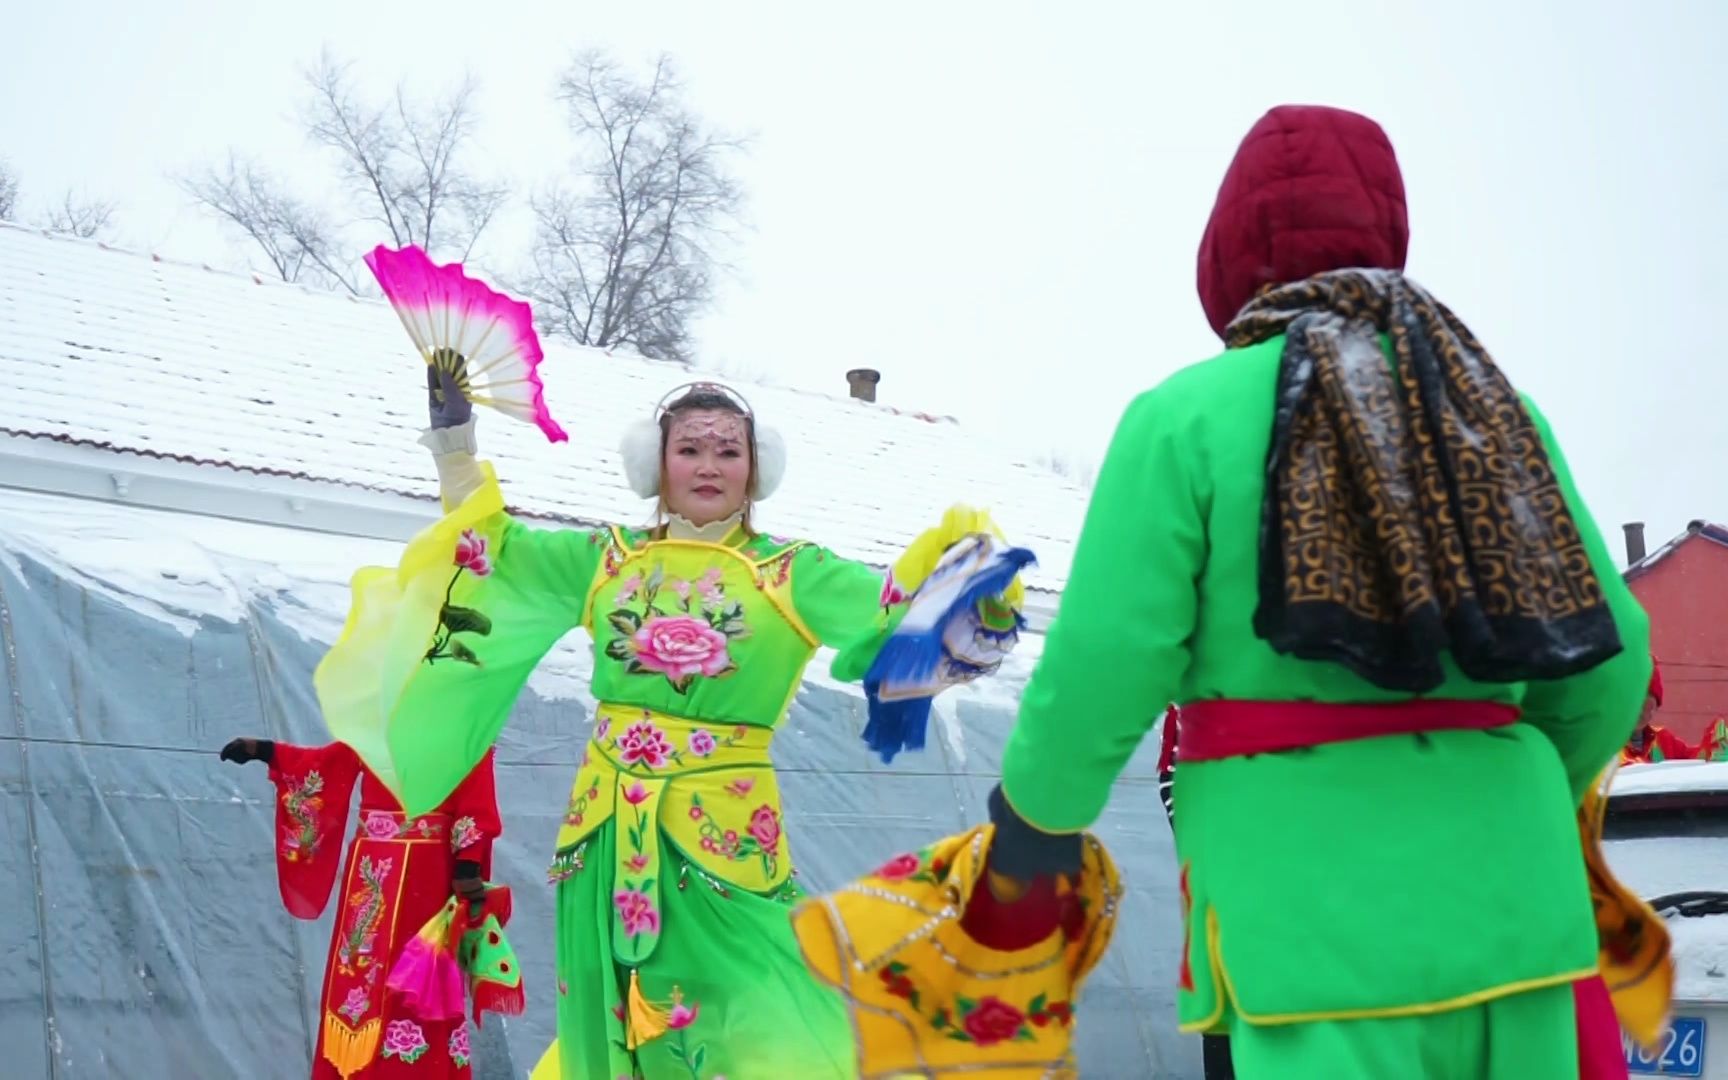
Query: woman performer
[(675, 955)]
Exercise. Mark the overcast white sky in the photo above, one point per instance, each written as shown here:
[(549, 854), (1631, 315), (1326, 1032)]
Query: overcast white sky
[(997, 204)]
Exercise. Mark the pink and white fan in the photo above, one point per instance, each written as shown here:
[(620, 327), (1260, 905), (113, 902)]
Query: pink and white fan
[(467, 329)]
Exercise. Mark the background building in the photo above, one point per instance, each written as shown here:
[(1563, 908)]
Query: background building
[(1683, 586)]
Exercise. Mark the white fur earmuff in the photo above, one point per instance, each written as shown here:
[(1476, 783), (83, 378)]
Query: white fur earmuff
[(770, 462), (641, 451)]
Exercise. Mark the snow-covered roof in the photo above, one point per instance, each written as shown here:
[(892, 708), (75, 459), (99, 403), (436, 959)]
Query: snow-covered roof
[(1716, 534), (139, 355)]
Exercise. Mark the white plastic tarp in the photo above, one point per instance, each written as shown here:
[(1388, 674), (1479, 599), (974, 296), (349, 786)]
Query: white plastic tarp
[(136, 871)]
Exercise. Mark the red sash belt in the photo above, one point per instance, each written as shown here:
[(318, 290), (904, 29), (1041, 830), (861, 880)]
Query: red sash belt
[(1214, 730)]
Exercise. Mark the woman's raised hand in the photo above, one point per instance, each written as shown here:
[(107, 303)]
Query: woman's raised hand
[(445, 402)]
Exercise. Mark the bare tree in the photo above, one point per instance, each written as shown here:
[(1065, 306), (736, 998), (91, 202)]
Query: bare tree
[(8, 190), (87, 218), (295, 239), (401, 161), (401, 165), (630, 257)]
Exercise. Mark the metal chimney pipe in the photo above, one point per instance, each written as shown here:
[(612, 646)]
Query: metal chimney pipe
[(862, 382), (1635, 550)]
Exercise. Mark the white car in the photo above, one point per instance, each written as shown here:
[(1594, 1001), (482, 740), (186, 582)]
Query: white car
[(1666, 838)]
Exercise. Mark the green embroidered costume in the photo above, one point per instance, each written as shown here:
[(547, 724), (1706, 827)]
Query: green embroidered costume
[(674, 879)]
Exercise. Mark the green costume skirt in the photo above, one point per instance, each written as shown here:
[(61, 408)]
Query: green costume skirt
[(748, 1006)]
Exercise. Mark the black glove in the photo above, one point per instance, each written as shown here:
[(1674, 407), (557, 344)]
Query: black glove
[(1021, 851), (466, 881), (240, 751), (445, 403)]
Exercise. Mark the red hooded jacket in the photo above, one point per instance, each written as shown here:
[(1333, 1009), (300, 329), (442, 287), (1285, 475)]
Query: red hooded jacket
[(1311, 189)]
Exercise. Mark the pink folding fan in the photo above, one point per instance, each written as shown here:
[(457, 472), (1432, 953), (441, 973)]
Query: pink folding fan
[(463, 327)]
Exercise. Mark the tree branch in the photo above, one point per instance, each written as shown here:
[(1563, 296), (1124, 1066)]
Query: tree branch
[(631, 260)]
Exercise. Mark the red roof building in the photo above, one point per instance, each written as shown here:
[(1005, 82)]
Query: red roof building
[(1683, 586)]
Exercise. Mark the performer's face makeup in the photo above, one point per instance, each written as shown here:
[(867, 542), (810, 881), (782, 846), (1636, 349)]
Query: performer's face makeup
[(707, 464)]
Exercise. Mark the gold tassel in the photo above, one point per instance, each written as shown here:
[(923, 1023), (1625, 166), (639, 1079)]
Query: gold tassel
[(350, 1049), (644, 1022)]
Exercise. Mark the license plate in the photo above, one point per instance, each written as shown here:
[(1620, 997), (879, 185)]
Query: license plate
[(1679, 1052)]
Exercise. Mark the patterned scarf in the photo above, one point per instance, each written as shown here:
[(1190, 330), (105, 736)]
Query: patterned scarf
[(1411, 508)]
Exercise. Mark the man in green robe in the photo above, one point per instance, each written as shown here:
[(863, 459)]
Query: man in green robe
[(1354, 556)]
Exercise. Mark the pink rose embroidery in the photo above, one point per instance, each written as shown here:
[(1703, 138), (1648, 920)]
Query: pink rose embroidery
[(471, 553), (899, 868), (695, 813), (382, 826), (636, 794), (404, 1039), (702, 742), (637, 912), (765, 828), (355, 1005), (459, 1049), (643, 742), (709, 586), (682, 588), (680, 647), (638, 863)]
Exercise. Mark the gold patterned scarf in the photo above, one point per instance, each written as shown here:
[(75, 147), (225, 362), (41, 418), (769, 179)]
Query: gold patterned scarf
[(1411, 507)]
